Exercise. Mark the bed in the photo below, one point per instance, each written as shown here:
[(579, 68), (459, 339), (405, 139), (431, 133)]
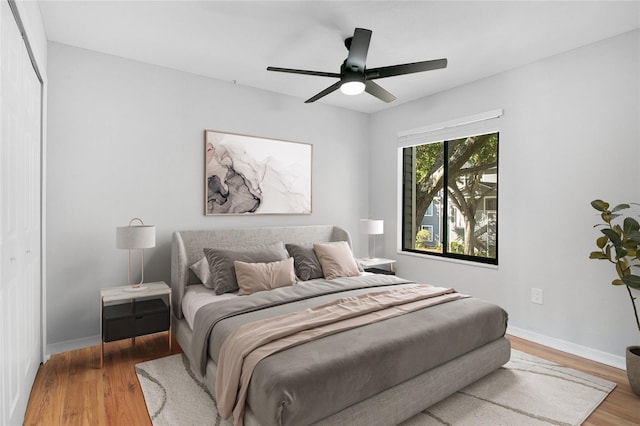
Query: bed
[(380, 373)]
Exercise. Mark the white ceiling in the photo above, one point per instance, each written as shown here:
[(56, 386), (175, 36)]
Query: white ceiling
[(237, 40)]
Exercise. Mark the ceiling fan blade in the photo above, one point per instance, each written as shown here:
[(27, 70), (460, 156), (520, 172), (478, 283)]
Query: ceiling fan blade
[(376, 90), (294, 71), (358, 50), (324, 93), (392, 70)]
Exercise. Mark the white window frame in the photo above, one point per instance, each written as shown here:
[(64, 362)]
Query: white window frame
[(430, 229), (429, 212)]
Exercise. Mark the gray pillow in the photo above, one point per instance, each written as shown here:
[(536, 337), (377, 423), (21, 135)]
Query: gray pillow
[(223, 274), (306, 262)]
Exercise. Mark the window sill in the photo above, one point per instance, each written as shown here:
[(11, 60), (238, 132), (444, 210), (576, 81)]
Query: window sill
[(448, 259)]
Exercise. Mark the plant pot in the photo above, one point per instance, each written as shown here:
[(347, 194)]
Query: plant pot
[(633, 368)]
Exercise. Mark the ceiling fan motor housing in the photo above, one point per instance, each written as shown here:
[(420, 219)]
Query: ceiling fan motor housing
[(351, 73)]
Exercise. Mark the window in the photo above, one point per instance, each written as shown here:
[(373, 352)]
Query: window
[(429, 211), (456, 181), (427, 236)]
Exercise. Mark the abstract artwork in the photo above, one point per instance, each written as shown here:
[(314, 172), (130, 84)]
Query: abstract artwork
[(252, 175)]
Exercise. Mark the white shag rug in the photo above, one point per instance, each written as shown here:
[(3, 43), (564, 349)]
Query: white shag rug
[(526, 391)]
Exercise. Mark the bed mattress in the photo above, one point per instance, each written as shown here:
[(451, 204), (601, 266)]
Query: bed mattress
[(307, 383), (196, 296)]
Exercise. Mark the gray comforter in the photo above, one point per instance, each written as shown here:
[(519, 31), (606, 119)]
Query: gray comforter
[(306, 383)]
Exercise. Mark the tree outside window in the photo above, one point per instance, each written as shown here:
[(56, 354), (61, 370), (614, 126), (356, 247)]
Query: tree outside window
[(464, 222)]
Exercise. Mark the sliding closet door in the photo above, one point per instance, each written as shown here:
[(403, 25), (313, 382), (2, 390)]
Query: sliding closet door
[(20, 219)]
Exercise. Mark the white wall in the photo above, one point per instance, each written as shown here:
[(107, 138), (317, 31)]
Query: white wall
[(565, 119), (570, 134), (126, 139)]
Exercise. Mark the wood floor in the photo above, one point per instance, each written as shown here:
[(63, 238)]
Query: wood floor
[(71, 389)]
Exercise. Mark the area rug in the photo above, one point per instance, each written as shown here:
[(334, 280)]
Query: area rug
[(525, 391)]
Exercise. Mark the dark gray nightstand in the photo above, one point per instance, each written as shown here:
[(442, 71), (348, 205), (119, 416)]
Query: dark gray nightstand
[(134, 317)]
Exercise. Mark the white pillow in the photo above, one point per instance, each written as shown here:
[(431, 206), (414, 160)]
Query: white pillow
[(254, 277), (336, 260), (202, 271)]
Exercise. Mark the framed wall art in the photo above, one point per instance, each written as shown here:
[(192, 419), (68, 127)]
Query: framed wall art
[(253, 175)]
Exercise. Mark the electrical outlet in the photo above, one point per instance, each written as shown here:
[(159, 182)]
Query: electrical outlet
[(536, 295)]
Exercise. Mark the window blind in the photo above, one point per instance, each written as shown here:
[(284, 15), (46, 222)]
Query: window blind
[(450, 130)]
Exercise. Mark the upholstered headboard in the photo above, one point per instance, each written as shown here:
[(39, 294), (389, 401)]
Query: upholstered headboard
[(186, 248)]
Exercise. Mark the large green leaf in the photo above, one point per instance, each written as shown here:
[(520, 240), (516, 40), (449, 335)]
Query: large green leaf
[(597, 255), (632, 281), (613, 236), (634, 235), (621, 252), (620, 207), (630, 225), (602, 241), (600, 205), (624, 265)]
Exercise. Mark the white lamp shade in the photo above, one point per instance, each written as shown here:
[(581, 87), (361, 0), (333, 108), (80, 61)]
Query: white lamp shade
[(372, 226), (135, 237)]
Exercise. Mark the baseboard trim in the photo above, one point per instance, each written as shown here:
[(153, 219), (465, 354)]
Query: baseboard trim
[(561, 345), (72, 345), (572, 348)]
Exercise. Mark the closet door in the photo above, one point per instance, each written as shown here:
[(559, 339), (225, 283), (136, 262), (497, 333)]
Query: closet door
[(20, 218)]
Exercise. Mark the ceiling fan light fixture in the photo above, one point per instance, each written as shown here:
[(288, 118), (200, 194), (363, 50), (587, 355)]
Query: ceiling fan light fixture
[(352, 88)]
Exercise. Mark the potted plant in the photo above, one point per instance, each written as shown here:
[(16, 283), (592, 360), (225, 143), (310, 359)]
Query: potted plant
[(620, 245)]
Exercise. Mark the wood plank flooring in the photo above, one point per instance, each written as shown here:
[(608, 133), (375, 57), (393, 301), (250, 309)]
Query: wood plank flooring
[(71, 389)]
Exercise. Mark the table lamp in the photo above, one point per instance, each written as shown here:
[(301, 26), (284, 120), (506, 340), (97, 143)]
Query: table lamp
[(371, 227), (138, 236)]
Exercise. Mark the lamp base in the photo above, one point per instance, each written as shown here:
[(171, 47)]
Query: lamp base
[(139, 287)]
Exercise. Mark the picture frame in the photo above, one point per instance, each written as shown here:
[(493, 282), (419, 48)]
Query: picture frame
[(247, 175)]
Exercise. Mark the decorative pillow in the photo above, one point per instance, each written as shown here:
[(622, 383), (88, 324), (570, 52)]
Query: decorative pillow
[(336, 260), (306, 262), (254, 277), (223, 275), (201, 270)]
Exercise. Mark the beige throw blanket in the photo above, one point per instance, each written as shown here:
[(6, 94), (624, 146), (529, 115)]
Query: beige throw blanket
[(252, 342)]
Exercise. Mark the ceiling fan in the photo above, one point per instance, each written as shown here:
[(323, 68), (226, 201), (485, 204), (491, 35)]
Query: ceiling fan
[(354, 75)]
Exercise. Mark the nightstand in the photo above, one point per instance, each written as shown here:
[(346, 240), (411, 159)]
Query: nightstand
[(374, 265), (132, 313)]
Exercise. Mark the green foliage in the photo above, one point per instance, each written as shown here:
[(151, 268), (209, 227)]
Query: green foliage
[(456, 247), (429, 154), (426, 157), (423, 238), (619, 245), (487, 152)]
